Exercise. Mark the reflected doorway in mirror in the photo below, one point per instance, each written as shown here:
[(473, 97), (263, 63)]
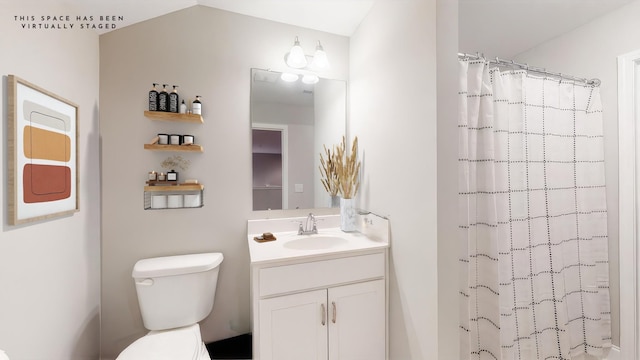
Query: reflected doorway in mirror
[(270, 170)]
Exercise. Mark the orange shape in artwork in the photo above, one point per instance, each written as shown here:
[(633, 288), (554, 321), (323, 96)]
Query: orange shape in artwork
[(45, 144)]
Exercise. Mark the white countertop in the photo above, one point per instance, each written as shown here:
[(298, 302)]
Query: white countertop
[(373, 234)]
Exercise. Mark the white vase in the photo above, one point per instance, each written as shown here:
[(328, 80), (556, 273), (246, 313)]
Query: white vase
[(347, 215)]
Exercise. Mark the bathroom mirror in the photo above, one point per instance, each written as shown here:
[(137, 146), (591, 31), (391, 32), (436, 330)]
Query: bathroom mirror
[(290, 123)]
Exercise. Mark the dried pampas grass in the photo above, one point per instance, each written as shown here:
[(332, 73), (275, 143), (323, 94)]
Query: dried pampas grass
[(341, 172), (328, 172)]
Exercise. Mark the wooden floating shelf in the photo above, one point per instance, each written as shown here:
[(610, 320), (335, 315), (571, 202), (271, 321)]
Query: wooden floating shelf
[(169, 116), (174, 188), (175, 196), (186, 148)]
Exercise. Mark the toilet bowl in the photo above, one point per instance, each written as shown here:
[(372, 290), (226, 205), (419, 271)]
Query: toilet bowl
[(175, 293), (184, 343)]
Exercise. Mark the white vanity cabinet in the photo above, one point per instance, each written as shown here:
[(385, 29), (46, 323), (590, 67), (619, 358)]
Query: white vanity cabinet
[(345, 322), (326, 309), (322, 296)]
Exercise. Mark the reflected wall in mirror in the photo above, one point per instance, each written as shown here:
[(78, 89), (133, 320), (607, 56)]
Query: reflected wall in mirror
[(290, 123)]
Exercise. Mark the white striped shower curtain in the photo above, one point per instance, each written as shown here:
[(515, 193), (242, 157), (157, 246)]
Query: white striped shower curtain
[(533, 218)]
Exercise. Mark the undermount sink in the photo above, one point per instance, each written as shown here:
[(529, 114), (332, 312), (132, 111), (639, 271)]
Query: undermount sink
[(315, 242)]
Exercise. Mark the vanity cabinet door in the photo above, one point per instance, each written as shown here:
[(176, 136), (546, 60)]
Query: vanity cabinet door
[(294, 327), (357, 318)]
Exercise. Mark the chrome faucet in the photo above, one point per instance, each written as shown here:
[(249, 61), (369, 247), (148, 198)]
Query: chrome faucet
[(310, 226)]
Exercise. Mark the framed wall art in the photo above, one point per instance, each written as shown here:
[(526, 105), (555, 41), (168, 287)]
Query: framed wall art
[(43, 153)]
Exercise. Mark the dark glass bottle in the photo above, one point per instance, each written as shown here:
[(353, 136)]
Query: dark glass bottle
[(163, 99), (196, 107), (153, 98), (174, 103)]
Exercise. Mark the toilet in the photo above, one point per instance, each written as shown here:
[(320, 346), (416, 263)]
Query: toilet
[(175, 293)]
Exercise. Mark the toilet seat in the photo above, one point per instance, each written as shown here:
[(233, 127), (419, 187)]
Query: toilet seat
[(176, 344)]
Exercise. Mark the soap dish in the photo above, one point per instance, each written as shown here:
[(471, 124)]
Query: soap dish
[(264, 237)]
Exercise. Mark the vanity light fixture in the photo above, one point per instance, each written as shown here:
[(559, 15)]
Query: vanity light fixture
[(297, 59)]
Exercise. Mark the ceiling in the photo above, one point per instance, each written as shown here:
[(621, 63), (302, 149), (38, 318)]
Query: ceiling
[(506, 28), (340, 17), (501, 28)]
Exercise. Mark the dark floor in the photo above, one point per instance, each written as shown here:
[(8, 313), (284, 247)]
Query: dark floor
[(238, 347)]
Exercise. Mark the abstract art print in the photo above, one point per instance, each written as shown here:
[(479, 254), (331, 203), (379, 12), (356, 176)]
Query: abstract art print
[(43, 153)]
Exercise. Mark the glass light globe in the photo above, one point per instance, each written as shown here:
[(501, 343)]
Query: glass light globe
[(296, 58), (310, 79), (289, 77), (320, 60)]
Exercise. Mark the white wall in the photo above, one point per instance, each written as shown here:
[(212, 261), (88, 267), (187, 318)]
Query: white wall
[(591, 51), (393, 113), (50, 270), (448, 243), (211, 55)]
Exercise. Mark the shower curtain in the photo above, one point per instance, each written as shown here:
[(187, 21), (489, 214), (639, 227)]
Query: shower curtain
[(533, 218)]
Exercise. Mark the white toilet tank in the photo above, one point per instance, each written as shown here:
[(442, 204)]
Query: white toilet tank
[(175, 291)]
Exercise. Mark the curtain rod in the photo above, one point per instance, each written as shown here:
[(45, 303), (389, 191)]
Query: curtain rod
[(510, 63)]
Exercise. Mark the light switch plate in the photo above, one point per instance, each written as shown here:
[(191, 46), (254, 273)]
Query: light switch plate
[(299, 188)]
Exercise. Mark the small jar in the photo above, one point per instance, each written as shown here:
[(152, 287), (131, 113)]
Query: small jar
[(172, 176), (163, 139), (175, 139), (153, 176), (162, 177), (188, 139)]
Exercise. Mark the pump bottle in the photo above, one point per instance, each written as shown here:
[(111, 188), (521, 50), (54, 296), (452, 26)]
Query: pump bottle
[(153, 98), (163, 99), (197, 106), (174, 103)]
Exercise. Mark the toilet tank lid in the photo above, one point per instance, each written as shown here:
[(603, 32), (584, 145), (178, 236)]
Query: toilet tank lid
[(176, 265)]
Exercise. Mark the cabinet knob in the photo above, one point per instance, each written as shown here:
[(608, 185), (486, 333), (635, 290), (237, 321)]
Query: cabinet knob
[(323, 314)]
